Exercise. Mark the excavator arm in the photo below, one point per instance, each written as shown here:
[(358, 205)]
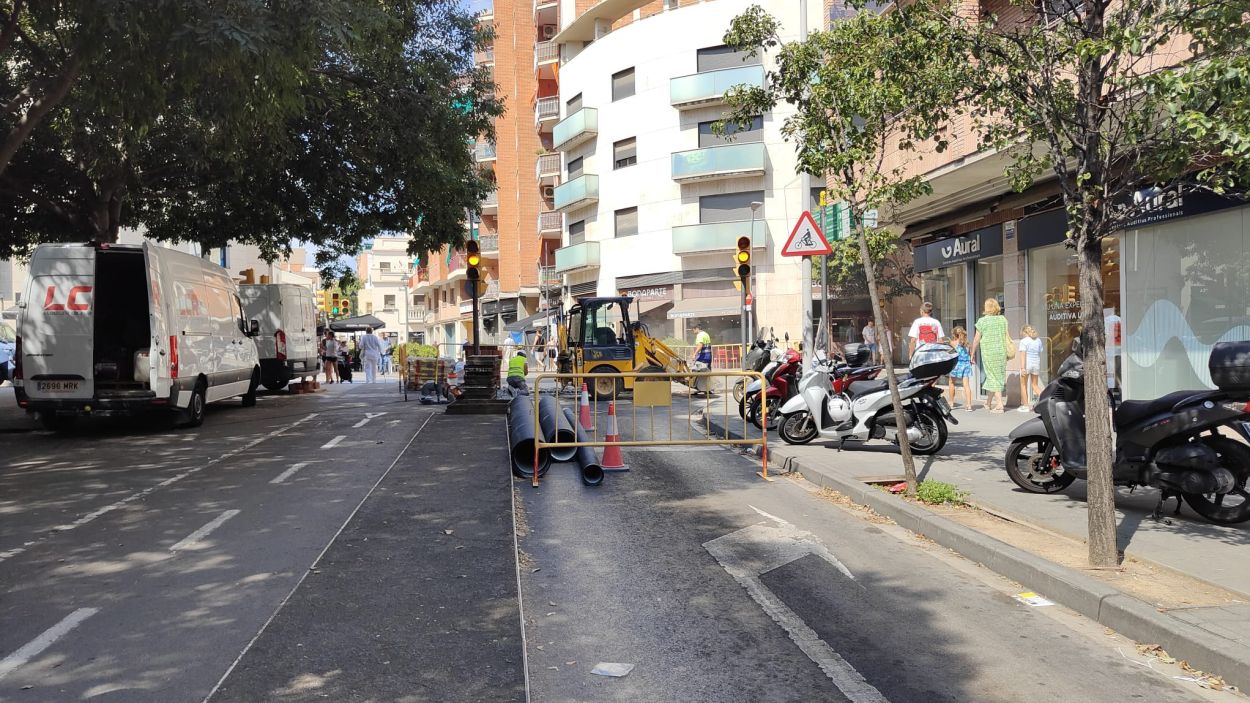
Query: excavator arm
[(657, 353)]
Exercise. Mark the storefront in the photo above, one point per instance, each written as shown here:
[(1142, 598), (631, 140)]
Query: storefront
[(949, 269), (715, 305), (651, 306)]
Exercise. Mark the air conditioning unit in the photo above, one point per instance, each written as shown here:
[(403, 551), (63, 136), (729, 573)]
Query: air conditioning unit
[(550, 31), (549, 192)]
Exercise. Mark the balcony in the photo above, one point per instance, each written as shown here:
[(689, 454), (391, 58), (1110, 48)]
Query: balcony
[(457, 268), (416, 313), (490, 204), (485, 56), (546, 113), (709, 88), (717, 162), (548, 168), (486, 16), (577, 257), (579, 192), (550, 223), (717, 237), (578, 128), (484, 151), (546, 56), (548, 277), (546, 12), (489, 243)]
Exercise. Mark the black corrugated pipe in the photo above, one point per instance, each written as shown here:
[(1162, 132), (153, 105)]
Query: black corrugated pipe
[(592, 472), (556, 429), (521, 430)]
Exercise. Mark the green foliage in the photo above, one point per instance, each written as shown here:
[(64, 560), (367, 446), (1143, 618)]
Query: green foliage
[(427, 351), (940, 493), (895, 272)]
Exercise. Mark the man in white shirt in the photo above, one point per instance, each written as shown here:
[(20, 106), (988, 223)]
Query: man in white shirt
[(924, 329), (370, 354)]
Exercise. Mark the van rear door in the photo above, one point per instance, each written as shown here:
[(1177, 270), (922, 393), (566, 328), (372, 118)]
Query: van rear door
[(160, 377), (58, 324)]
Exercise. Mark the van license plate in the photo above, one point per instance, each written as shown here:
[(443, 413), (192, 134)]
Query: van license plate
[(56, 386)]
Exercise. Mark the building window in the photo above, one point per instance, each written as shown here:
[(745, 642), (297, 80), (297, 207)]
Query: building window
[(573, 104), (384, 266), (622, 84), (626, 222), (575, 168), (714, 58), (625, 153), (729, 207), (733, 133), (577, 232), (388, 302)]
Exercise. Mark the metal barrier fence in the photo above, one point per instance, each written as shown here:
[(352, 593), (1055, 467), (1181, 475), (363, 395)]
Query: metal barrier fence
[(652, 391)]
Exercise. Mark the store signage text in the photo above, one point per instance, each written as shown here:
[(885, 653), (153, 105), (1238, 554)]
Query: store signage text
[(969, 247), (1152, 205), (655, 293)]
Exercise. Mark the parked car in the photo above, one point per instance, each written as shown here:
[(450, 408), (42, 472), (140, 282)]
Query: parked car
[(287, 342), (120, 330)]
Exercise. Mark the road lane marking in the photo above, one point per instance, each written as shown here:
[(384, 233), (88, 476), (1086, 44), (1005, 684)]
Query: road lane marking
[(758, 549), (368, 417), (33, 648), (100, 512), (316, 561), (194, 538), (288, 473), (334, 442)]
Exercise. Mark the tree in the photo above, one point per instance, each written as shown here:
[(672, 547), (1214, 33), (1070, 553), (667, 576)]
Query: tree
[(354, 122), (868, 87), (1110, 97)]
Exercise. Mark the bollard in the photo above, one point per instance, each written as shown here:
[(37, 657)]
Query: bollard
[(521, 428), (592, 472), (587, 423), (556, 429), (612, 459)]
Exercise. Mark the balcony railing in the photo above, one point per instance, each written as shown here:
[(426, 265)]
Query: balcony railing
[(716, 162), (489, 243), (417, 313), (421, 275), (577, 128), (577, 256), (550, 222), (490, 203), (719, 236), (709, 88), (457, 267), (546, 52), (485, 151), (547, 110), (486, 55), (548, 167), (548, 277), (579, 192)]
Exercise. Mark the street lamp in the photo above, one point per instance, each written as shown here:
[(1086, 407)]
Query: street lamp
[(755, 208), (404, 281)]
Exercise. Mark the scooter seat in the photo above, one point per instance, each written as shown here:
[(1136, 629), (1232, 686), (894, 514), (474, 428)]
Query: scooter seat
[(1132, 412), (859, 388)]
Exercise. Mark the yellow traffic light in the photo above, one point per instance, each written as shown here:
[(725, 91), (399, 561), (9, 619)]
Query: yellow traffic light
[(473, 257), (742, 259)]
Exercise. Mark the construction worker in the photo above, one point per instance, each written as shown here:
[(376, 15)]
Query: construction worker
[(518, 369)]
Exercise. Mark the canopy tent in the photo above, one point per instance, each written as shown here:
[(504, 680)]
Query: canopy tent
[(357, 324)]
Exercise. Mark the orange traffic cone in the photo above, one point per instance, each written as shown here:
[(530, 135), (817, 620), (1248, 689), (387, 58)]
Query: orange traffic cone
[(584, 419), (612, 459)]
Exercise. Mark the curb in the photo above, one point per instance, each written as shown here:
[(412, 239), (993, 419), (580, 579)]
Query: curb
[(1095, 600)]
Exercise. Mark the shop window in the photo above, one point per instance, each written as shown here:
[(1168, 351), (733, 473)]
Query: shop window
[(622, 84), (1055, 301), (625, 153)]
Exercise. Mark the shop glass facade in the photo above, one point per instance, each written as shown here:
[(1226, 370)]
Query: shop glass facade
[(947, 289), (1054, 307), (1188, 287)]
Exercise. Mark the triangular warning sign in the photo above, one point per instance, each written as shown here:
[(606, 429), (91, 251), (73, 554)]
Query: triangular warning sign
[(806, 239)]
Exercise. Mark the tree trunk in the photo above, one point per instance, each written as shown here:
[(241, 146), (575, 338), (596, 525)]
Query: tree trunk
[(1098, 442), (55, 93), (909, 466)]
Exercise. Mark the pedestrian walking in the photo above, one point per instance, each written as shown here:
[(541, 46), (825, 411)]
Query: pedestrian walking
[(370, 354), (385, 366), (925, 329), (509, 344), (330, 356), (870, 340), (1030, 367), (540, 350), (518, 369), (962, 373), (992, 341)]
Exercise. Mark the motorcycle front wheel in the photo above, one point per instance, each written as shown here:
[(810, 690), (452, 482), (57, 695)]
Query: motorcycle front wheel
[(740, 389), (1033, 464), (753, 411), (797, 428), (932, 432), (1232, 507)]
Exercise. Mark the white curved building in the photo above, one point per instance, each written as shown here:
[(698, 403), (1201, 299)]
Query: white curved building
[(653, 202)]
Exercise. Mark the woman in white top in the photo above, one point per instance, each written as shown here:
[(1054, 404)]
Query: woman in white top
[(330, 356), (1030, 352)]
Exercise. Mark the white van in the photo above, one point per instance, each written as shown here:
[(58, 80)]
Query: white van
[(288, 331), (117, 330)]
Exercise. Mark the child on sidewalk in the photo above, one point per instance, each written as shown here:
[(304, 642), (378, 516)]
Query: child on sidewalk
[(1030, 367), (962, 373)]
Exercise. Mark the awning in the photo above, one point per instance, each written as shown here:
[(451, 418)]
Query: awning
[(357, 324), (538, 319), (706, 307), (644, 306), (10, 313)]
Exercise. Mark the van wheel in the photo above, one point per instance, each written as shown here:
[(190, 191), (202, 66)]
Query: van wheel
[(58, 423), (274, 386), (249, 398), (193, 416)]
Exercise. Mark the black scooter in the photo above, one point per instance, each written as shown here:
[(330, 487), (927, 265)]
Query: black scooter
[(1170, 443)]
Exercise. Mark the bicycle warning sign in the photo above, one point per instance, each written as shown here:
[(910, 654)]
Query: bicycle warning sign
[(806, 239)]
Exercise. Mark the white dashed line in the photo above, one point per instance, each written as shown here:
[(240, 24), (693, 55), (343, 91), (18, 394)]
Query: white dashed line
[(289, 472), (368, 417), (33, 648), (192, 539), (334, 442)]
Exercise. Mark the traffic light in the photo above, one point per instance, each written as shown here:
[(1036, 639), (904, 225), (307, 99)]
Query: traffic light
[(473, 258), (346, 306), (742, 258)]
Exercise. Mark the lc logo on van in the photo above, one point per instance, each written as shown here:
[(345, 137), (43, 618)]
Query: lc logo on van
[(72, 304)]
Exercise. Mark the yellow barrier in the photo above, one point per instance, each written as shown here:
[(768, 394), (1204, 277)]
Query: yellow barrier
[(655, 390)]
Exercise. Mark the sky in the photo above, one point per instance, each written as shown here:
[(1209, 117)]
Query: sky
[(478, 5)]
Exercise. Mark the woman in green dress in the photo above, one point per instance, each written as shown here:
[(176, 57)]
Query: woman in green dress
[(991, 339)]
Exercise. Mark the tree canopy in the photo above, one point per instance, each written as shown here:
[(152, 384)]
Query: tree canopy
[(323, 121)]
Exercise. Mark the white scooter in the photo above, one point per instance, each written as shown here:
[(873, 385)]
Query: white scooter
[(866, 412)]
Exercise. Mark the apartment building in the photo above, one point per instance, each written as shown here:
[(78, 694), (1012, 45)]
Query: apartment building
[(385, 269), (1175, 279), (653, 201)]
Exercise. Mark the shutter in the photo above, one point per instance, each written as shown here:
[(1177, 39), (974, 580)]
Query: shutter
[(733, 135), (575, 168), (622, 84), (627, 222), (729, 207), (715, 58), (573, 105), (625, 153)]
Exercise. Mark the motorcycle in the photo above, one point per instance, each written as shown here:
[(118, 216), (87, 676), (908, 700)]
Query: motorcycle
[(783, 382), (1158, 443), (865, 411), (758, 359)]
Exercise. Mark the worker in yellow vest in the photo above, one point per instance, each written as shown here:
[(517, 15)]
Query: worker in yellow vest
[(518, 369)]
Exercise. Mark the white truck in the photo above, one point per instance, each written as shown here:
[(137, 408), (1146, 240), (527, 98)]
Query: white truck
[(287, 342), (122, 330)]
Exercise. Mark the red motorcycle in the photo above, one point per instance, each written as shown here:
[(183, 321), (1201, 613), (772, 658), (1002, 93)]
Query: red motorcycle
[(783, 383)]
